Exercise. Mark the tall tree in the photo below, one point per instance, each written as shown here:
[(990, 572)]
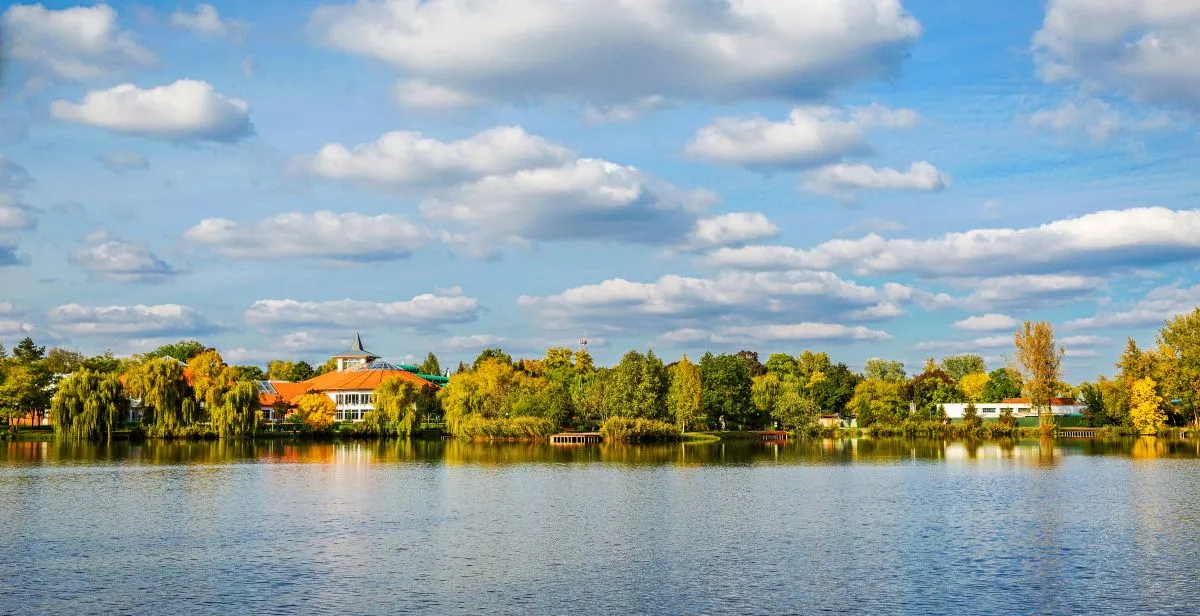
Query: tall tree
[(24, 391), (62, 361), (183, 350), (89, 405), (489, 354), (782, 365), (752, 364), (279, 370), (1180, 337), (27, 352), (431, 365), (249, 373), (105, 363), (1039, 360), (396, 410), (683, 397), (1145, 407), (878, 401), (237, 413), (885, 370), (164, 394), (725, 390), (1002, 383), (973, 386), (958, 366)]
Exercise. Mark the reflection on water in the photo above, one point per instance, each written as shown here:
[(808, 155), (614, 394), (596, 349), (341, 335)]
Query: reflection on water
[(1033, 452), (886, 526)]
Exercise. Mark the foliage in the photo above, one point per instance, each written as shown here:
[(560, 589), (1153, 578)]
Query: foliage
[(164, 394), (237, 411), (249, 373), (639, 430), (1039, 361), (88, 406), (330, 365), (491, 354), (971, 418), (958, 366), (637, 386), (683, 395), (1002, 383), (930, 389), (522, 428), (782, 365), (1180, 337), (793, 410), (1007, 419), (752, 364), (315, 412), (765, 391), (184, 350), (279, 370), (1145, 407), (725, 390), (973, 386), (62, 361), (26, 352), (24, 388), (430, 365), (1092, 398), (496, 390), (211, 378), (885, 370), (105, 363), (878, 401), (396, 411)]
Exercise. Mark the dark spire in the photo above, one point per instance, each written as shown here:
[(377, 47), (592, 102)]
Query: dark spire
[(358, 343)]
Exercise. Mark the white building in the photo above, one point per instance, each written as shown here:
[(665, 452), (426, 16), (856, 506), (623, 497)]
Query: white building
[(1020, 407)]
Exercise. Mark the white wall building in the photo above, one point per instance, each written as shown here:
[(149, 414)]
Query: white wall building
[(1020, 407)]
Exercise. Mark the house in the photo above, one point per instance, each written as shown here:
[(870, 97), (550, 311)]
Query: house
[(351, 385), (1020, 407)]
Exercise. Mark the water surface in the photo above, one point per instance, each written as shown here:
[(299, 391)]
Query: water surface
[(864, 526)]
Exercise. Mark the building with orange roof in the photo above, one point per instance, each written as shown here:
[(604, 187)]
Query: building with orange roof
[(351, 385)]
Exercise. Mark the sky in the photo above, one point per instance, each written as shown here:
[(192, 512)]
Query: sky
[(870, 178)]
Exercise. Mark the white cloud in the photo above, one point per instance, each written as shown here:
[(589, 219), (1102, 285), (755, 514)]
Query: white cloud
[(584, 199), (180, 111), (1154, 309), (347, 237), (730, 229), (1146, 49), (1085, 341), (612, 114), (1097, 242), (961, 346), (425, 311), (206, 21), (139, 320), (474, 342), (1095, 118), (991, 322), (14, 215), (843, 180), (1024, 292), (12, 175), (607, 52), (123, 161), (121, 261), (729, 299), (403, 158), (790, 332), (12, 328), (74, 43), (420, 94), (811, 136)]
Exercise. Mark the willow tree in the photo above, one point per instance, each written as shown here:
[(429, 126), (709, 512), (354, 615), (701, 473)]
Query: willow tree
[(396, 409), (1039, 360), (164, 394), (212, 378), (88, 405), (683, 394), (237, 412)]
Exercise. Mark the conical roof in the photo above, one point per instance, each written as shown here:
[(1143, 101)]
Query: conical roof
[(356, 350)]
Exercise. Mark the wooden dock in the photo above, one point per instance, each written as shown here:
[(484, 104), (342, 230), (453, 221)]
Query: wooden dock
[(769, 436), (1077, 432), (575, 438)]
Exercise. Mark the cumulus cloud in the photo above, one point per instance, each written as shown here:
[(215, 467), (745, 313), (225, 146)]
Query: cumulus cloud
[(991, 322), (74, 43), (681, 302), (206, 21), (1146, 50), (185, 110), (122, 261), (583, 199), (12, 175), (606, 52), (1024, 292), (425, 311), (791, 332), (420, 94), (612, 114), (13, 328), (731, 229), (844, 180), (404, 158), (811, 135), (347, 237), (14, 215), (138, 320), (1097, 242), (122, 161), (1156, 307)]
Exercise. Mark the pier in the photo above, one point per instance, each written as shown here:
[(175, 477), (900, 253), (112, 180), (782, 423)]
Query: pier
[(575, 438), (773, 436), (1078, 432)]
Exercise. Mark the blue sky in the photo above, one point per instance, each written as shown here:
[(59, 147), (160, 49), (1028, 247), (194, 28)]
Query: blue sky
[(866, 177)]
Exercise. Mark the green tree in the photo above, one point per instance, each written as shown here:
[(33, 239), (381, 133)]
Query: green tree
[(183, 350), (782, 365), (683, 397), (249, 373), (430, 365), (725, 390), (765, 391), (885, 370), (878, 401), (490, 354), (1092, 397), (164, 395), (237, 412), (1180, 337), (958, 366), (330, 365), (971, 419), (637, 387), (752, 364), (931, 389), (1002, 383), (105, 363), (62, 361), (295, 372), (25, 390), (396, 409), (26, 352), (89, 406)]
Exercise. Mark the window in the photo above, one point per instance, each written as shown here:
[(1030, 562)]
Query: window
[(989, 410)]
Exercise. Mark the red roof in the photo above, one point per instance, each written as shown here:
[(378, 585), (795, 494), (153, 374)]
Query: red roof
[(1053, 401), (353, 380), (285, 391)]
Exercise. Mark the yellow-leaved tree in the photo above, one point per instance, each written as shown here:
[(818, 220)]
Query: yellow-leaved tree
[(1145, 407), (973, 385), (1039, 361), (315, 411)]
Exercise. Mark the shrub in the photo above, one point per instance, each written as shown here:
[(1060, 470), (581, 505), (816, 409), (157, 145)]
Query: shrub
[(518, 428), (638, 430)]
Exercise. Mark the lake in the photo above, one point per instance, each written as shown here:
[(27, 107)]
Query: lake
[(863, 526)]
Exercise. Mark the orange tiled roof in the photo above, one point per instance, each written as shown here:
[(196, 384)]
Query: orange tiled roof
[(285, 390), (353, 380), (1053, 401)]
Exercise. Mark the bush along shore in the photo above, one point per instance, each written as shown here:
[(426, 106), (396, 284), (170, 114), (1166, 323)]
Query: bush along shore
[(187, 390)]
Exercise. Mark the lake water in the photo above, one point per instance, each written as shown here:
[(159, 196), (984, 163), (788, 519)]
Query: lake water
[(875, 527)]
